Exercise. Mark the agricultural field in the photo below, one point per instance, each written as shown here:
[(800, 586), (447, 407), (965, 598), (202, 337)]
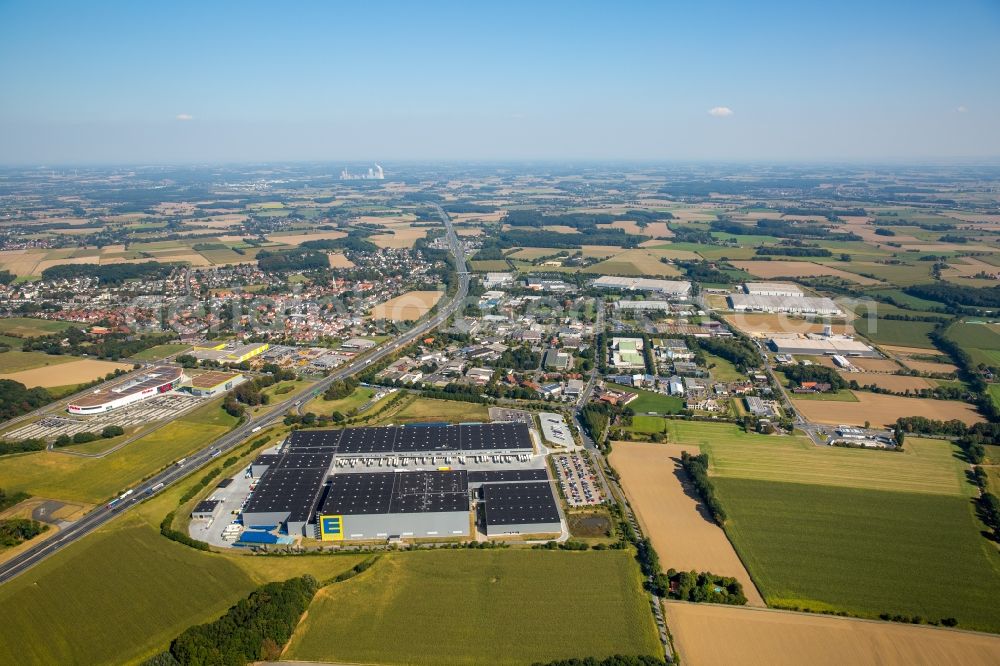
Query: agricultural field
[(76, 371), (889, 382), (160, 352), (924, 466), (761, 324), (682, 531), (638, 262), (320, 405), (407, 307), (982, 341), (31, 328), (864, 551), (885, 409), (792, 269), (757, 637), (92, 480), (651, 401), (464, 607), (487, 265), (896, 332), (427, 410), (19, 361)]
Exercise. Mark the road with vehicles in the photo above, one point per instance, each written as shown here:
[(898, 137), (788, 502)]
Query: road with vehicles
[(167, 477)]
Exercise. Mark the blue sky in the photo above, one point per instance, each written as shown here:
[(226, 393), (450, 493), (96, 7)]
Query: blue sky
[(248, 81)]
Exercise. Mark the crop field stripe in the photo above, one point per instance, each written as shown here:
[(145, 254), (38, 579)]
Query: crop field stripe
[(864, 551)]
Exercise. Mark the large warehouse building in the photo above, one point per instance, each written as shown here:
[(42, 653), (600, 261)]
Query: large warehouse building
[(821, 346), (150, 383), (670, 288), (817, 305), (773, 289), (307, 490)]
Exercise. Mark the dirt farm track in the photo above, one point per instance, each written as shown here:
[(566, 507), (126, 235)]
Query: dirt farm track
[(711, 635), (683, 534)]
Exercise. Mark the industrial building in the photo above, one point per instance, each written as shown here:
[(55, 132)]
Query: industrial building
[(650, 305), (228, 353), (320, 484), (208, 384), (150, 383), (773, 289), (519, 508), (671, 288), (815, 305), (821, 346)]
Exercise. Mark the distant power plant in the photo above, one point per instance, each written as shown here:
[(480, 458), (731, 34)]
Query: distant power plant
[(373, 173)]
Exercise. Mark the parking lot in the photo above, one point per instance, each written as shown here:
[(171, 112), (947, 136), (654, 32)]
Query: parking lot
[(231, 500), (577, 479), (159, 408), (498, 414)]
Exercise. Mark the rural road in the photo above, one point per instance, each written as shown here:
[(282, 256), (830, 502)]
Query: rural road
[(167, 477)]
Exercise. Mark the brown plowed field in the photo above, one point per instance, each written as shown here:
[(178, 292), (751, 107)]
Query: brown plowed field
[(709, 635), (683, 534), (763, 324), (884, 410)]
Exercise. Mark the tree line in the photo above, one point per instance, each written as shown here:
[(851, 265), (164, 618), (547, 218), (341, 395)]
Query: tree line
[(697, 469)]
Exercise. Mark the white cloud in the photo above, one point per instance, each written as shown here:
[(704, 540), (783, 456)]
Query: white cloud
[(961, 109), (185, 116), (720, 111)]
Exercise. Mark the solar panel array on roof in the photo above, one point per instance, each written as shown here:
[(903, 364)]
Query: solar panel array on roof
[(312, 460), (414, 439), (519, 503), (507, 475), (294, 490), (396, 492)]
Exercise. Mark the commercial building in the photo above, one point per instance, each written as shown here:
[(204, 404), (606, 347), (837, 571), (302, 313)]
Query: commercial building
[(224, 353), (790, 304), (153, 382), (627, 353), (296, 486), (643, 305), (519, 508), (558, 360), (212, 383), (773, 289), (494, 280), (821, 346), (670, 288)]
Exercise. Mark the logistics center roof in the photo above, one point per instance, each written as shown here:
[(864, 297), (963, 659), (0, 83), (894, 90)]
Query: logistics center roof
[(293, 490), (508, 475), (415, 438), (519, 503), (396, 492)]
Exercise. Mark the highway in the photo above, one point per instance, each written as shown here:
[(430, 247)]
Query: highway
[(167, 477)]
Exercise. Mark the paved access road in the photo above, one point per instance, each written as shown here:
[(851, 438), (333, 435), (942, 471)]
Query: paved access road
[(104, 513)]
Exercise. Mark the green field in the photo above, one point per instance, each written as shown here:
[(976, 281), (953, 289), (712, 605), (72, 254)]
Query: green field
[(29, 328), (61, 476), (982, 341), (895, 332), (485, 265), (16, 361), (483, 606), (722, 370), (864, 551), (912, 302), (647, 425), (426, 410), (319, 405), (160, 351), (924, 466), (650, 401)]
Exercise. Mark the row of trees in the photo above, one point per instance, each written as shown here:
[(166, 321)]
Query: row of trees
[(697, 469), (15, 531)]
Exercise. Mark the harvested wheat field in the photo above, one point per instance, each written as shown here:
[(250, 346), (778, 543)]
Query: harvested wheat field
[(407, 307), (339, 260), (887, 381), (896, 349), (400, 237), (776, 269), (930, 366), (64, 374), (875, 364), (299, 239), (765, 324), (884, 410), (683, 533), (710, 635)]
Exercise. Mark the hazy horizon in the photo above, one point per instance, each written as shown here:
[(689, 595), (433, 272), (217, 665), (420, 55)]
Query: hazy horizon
[(897, 83)]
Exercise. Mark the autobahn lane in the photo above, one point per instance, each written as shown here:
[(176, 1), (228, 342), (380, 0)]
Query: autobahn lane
[(167, 477)]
